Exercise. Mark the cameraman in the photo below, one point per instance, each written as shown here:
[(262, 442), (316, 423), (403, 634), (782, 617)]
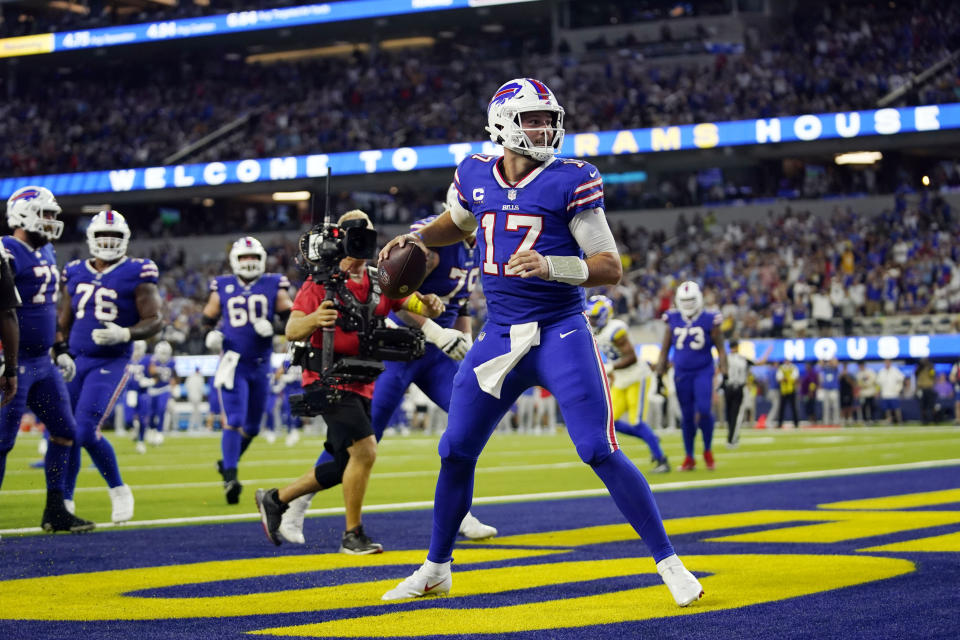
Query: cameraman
[(350, 437)]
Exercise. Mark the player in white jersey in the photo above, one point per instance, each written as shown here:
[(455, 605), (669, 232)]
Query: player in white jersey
[(631, 379), (543, 237)]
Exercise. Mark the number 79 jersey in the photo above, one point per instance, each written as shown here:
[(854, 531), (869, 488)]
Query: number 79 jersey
[(241, 303), (692, 339), (105, 296), (535, 213)]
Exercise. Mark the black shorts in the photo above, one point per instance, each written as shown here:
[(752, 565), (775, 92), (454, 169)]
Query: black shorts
[(347, 423)]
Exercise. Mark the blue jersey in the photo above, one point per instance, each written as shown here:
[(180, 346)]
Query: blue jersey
[(105, 296), (454, 277), (162, 372), (534, 214), (692, 340), (241, 303), (36, 276)]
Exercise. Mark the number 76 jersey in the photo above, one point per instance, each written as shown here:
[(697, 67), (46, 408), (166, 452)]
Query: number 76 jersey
[(692, 339), (97, 297)]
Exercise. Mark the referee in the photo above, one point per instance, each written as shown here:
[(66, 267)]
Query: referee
[(738, 371)]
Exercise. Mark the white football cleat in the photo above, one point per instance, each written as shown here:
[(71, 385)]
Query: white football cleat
[(270, 437), (291, 525), (292, 438), (70, 506), (122, 499), (474, 529), (429, 580), (683, 585), (141, 447)]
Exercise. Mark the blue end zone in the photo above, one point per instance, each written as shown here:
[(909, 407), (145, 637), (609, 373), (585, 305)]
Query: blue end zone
[(922, 603)]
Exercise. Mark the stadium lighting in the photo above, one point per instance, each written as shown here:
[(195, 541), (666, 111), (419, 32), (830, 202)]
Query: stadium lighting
[(291, 196), (858, 157), (926, 181), (401, 43), (303, 54)]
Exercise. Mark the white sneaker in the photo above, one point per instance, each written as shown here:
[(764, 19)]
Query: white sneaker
[(429, 580), (141, 447), (158, 438), (291, 524), (70, 506), (292, 438), (122, 499), (270, 437), (474, 529), (683, 585)]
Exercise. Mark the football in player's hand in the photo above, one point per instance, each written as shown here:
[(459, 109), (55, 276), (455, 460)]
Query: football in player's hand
[(403, 271)]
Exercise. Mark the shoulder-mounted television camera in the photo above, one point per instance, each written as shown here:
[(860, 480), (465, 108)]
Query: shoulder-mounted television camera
[(321, 250)]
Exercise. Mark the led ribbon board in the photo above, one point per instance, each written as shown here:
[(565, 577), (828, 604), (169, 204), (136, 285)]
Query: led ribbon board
[(708, 135), (277, 18)]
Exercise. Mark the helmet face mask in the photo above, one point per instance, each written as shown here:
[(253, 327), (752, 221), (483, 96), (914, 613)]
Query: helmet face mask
[(505, 115), (108, 236), (35, 210), (248, 258), (689, 299), (599, 311)]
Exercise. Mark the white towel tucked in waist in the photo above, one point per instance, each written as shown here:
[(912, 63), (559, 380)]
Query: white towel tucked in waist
[(491, 374)]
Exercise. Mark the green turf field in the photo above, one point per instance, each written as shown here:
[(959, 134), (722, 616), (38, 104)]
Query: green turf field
[(178, 479)]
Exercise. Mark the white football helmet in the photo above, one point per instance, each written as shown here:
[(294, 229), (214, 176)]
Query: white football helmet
[(26, 209), (139, 349), (689, 299), (108, 236), (503, 117), (162, 351), (248, 269)]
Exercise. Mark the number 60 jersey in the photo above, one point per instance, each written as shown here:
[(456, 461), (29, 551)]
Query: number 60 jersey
[(105, 296), (242, 303)]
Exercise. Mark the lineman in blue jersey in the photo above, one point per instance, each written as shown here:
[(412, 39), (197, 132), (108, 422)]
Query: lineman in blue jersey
[(245, 303), (542, 236), (693, 333), (631, 377), (160, 369), (452, 273), (109, 301), (32, 214)]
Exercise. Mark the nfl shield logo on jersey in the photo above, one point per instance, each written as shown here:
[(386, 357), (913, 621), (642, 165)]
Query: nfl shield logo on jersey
[(512, 194)]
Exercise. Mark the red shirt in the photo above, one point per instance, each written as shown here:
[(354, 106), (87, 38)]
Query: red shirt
[(346, 343)]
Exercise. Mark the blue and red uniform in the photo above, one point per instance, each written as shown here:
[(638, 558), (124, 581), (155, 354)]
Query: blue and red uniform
[(98, 297), (243, 395), (40, 384), (536, 335), (693, 361)]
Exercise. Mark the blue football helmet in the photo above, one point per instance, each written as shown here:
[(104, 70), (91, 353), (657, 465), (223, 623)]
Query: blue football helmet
[(599, 311)]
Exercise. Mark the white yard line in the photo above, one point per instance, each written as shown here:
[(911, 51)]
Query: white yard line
[(534, 497)]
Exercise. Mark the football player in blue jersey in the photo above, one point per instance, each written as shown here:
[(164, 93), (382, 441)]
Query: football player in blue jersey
[(693, 333), (452, 273), (109, 301), (32, 214), (245, 304), (631, 377), (161, 372), (542, 237)]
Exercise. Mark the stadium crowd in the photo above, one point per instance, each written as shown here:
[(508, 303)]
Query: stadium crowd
[(791, 274), (843, 59)]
